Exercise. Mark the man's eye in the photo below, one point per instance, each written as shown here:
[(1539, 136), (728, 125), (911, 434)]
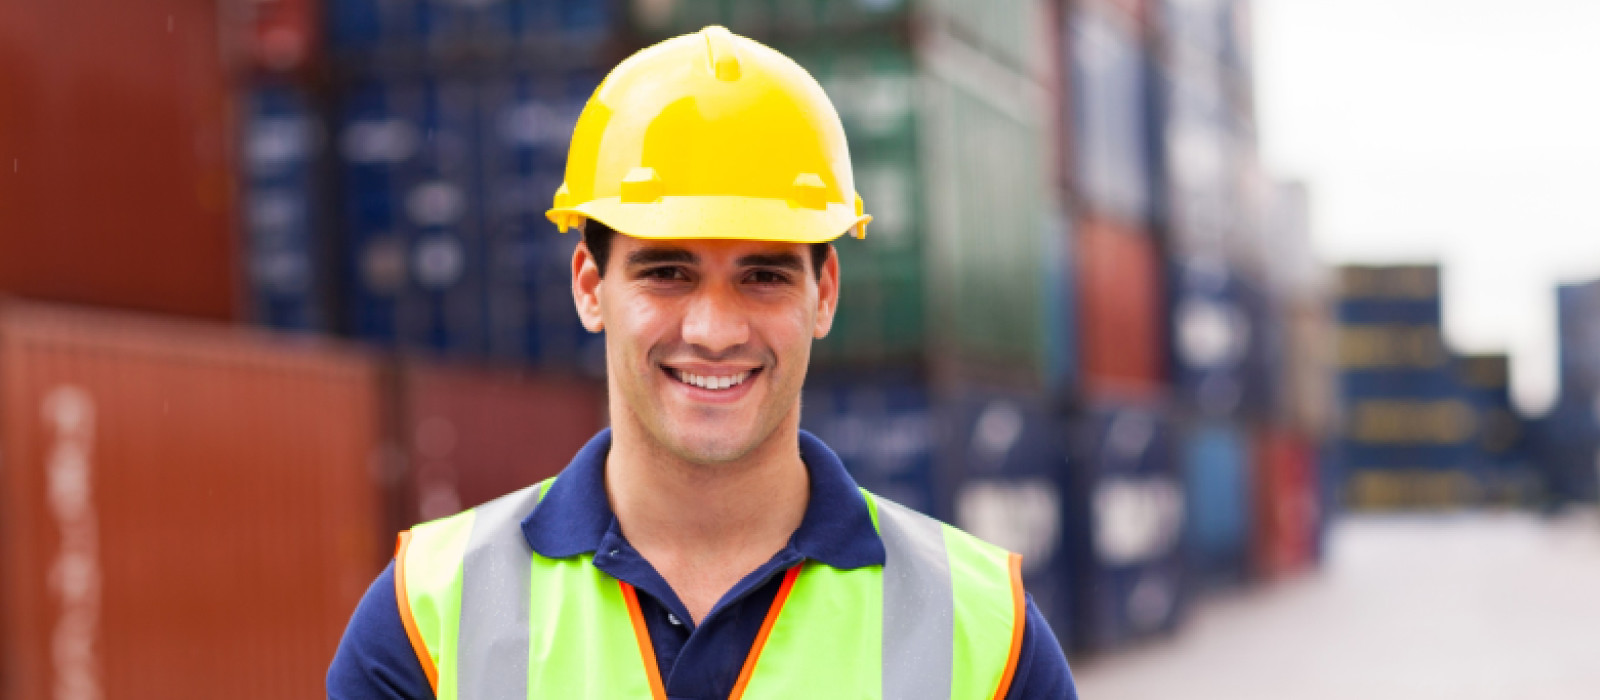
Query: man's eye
[(768, 277), (664, 273)]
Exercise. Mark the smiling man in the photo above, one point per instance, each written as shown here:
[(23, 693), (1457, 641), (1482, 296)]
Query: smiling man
[(703, 546)]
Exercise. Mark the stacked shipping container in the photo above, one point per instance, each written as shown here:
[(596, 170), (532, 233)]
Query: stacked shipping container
[(1568, 440), (185, 511)]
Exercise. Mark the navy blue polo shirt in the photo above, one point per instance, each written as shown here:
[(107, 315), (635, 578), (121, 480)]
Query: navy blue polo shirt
[(375, 658)]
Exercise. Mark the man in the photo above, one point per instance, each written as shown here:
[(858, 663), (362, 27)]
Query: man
[(703, 546)]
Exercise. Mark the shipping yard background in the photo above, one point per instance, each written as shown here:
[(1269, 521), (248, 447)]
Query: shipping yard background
[(276, 283)]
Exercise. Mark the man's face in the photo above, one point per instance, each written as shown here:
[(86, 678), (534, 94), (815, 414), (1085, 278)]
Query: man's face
[(707, 342)]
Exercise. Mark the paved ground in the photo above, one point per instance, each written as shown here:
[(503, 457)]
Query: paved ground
[(1458, 607)]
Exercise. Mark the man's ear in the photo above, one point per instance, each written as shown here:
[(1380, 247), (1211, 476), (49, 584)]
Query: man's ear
[(586, 288), (827, 294)]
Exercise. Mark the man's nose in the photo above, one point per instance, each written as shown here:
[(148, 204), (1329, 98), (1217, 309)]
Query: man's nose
[(715, 320)]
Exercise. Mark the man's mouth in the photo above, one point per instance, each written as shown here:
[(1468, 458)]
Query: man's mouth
[(712, 382)]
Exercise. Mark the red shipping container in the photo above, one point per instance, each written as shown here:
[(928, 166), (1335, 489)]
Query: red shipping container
[(185, 512), (1121, 311), (282, 33), (1287, 509), (116, 156), (475, 434)]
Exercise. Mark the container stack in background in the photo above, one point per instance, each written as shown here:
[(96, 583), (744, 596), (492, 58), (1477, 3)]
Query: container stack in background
[(1410, 433), (1502, 458), (1567, 439)]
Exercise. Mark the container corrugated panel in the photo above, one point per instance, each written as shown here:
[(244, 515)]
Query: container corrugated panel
[(883, 429), (1214, 337), (1202, 201), (283, 242), (415, 241), (377, 141), (186, 512), (1126, 513), (1217, 457), (527, 119), (474, 434), (1009, 478), (131, 109), (1287, 504), (1003, 297), (1115, 137), (1578, 333), (1120, 299)]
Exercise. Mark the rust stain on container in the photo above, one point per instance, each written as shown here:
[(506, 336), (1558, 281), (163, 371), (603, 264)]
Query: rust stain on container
[(473, 434), (185, 511), (1121, 311), (116, 137)]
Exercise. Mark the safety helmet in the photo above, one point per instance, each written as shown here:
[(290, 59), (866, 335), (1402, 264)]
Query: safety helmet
[(711, 135)]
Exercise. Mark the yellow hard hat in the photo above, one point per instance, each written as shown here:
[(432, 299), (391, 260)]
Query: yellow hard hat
[(711, 135)]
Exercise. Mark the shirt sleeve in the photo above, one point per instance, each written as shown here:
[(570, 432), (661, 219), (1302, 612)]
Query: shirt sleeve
[(1042, 672), (375, 660)]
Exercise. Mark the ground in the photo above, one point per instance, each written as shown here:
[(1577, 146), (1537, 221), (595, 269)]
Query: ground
[(1463, 606)]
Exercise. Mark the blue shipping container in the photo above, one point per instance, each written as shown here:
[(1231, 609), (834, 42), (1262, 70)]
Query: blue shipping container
[(414, 236), (1223, 342), (1008, 474), (1126, 513), (1578, 320), (527, 123), (283, 247), (1115, 139), (883, 430), (1216, 466)]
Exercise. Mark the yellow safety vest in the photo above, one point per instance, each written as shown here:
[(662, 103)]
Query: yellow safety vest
[(491, 619)]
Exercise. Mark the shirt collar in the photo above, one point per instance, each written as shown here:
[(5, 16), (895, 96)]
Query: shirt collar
[(837, 530)]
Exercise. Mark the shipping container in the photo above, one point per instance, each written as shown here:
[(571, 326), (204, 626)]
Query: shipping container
[(1309, 389), (1125, 524), (1115, 139), (527, 119), (1006, 463), (283, 35), (1217, 468), (416, 254), (284, 240), (1122, 331), (883, 427), (119, 160), (1225, 358), (1567, 448), (1287, 503), (186, 511), (1000, 257), (1578, 333), (472, 434)]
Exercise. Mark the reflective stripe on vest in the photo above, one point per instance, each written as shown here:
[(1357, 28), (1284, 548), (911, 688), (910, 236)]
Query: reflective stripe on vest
[(498, 621)]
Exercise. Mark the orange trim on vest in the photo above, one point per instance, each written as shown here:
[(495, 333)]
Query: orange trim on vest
[(1019, 603), (766, 629), (642, 634), (404, 601)]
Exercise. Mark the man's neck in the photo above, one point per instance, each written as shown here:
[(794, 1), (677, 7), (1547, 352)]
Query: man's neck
[(667, 504)]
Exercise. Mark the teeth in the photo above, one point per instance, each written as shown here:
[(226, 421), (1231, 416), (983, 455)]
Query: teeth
[(712, 383)]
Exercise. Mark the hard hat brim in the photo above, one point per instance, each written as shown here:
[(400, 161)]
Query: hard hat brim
[(719, 217)]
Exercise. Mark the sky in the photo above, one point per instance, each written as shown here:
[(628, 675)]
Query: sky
[(1465, 132)]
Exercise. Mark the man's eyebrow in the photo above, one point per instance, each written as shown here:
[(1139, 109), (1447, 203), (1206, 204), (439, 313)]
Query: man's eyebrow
[(656, 256), (787, 261)]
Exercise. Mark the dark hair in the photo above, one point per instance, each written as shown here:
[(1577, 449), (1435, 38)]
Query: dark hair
[(597, 237)]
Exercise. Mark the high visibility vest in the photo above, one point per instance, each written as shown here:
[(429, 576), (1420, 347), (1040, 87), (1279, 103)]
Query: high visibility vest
[(491, 619)]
